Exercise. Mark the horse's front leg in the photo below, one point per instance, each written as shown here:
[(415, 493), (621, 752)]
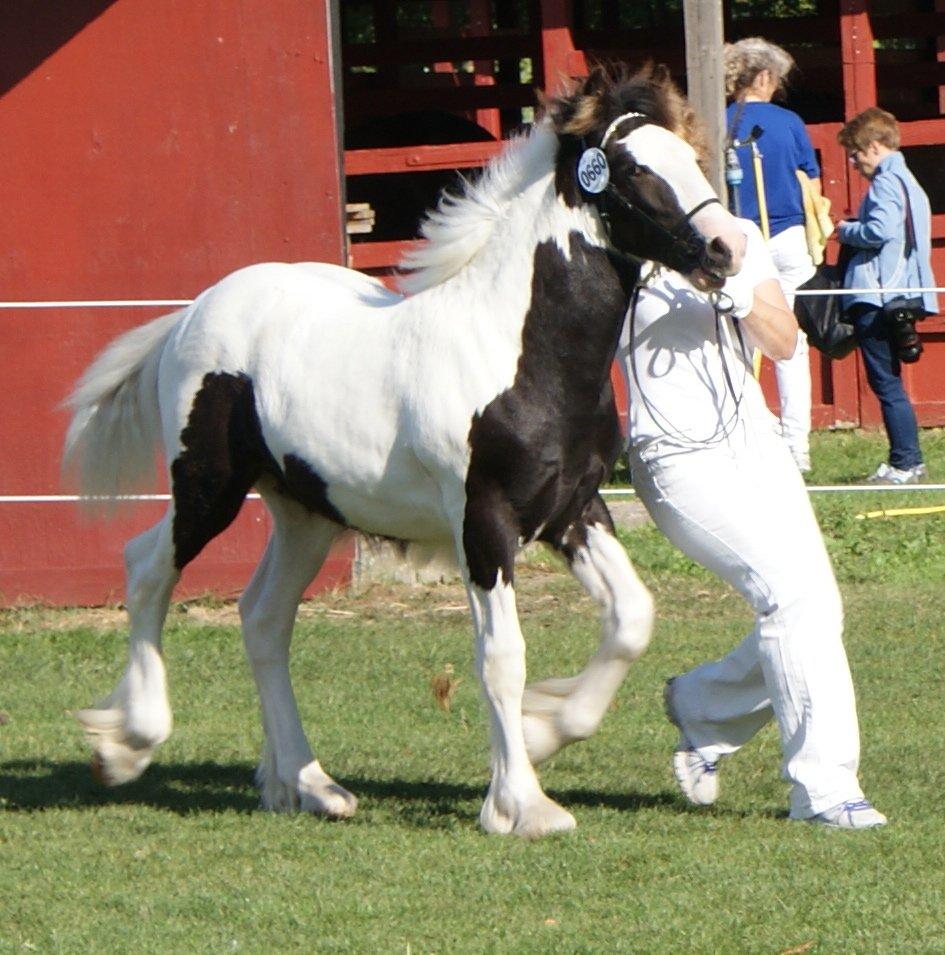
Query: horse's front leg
[(561, 711), (515, 802)]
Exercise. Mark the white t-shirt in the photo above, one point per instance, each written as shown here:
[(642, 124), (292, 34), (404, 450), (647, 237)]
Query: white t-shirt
[(689, 377)]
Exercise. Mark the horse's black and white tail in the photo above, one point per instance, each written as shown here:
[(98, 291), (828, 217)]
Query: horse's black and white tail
[(116, 422)]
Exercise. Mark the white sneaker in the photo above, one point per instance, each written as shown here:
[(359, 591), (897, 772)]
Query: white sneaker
[(887, 474), (853, 814), (698, 779)]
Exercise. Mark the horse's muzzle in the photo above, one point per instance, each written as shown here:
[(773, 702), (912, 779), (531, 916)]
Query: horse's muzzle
[(716, 263)]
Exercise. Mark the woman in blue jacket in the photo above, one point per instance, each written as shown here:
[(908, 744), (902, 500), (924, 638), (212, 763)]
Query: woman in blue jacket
[(755, 72), (890, 245)]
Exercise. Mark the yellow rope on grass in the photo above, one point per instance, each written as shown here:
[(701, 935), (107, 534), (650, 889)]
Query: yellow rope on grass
[(902, 512)]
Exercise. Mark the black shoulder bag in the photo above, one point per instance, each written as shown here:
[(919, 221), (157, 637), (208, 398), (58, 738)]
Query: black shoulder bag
[(820, 317)]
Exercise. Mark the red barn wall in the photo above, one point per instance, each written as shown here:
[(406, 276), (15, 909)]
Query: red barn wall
[(147, 150)]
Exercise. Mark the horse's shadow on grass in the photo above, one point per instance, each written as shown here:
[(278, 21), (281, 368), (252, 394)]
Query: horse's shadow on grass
[(189, 788), (183, 788)]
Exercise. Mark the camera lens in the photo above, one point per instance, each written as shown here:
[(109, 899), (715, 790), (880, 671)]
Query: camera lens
[(905, 339)]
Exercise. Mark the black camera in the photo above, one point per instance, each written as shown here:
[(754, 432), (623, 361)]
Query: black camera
[(903, 337)]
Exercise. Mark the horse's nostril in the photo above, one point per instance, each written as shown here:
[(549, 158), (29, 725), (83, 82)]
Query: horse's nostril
[(717, 245)]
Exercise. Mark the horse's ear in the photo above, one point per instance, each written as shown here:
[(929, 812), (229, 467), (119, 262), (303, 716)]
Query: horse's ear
[(576, 113), (597, 81), (660, 74)]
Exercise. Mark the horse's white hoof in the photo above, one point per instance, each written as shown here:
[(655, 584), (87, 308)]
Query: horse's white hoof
[(116, 759), (315, 792), (542, 737), (332, 801), (540, 816), (543, 817), (548, 722)]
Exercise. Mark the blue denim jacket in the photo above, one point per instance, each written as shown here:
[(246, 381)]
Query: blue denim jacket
[(878, 238)]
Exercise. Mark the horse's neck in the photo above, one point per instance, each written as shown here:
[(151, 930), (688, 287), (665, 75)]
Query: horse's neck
[(573, 305)]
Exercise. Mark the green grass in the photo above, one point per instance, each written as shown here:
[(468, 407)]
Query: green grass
[(183, 861)]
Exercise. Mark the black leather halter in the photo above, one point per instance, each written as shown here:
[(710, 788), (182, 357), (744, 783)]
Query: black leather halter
[(611, 195)]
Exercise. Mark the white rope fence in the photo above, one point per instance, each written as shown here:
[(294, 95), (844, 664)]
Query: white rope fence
[(605, 492), (106, 303), (610, 492), (180, 302), (870, 291)]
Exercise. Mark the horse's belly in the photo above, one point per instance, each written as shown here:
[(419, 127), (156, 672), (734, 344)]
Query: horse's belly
[(392, 516)]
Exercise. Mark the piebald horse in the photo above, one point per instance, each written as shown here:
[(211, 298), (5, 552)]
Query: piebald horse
[(475, 411)]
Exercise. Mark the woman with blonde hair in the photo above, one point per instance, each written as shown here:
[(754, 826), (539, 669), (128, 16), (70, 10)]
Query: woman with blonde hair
[(755, 72)]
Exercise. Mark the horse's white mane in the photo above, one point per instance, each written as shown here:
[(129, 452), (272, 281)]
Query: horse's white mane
[(461, 225)]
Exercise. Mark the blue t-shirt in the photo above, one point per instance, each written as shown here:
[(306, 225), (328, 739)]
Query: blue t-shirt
[(785, 147)]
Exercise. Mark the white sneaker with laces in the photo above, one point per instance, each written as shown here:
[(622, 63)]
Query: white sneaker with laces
[(887, 474), (698, 779), (853, 814)]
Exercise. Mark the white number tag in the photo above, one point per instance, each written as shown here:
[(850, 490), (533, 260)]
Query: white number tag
[(593, 171)]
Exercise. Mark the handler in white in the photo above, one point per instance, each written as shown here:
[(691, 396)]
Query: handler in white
[(716, 477)]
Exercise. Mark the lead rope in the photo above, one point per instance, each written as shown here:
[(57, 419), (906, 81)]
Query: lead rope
[(725, 427)]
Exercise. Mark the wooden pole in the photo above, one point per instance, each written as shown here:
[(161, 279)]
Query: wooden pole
[(705, 77)]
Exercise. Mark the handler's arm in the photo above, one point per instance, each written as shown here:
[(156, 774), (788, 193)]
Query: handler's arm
[(770, 324)]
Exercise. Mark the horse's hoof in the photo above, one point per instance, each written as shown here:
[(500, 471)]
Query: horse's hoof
[(545, 721), (540, 816), (314, 792), (115, 760), (543, 819), (542, 737), (333, 802)]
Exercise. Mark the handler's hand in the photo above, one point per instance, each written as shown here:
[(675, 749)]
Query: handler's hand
[(741, 290)]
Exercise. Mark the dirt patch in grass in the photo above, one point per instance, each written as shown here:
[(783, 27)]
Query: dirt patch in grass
[(540, 581)]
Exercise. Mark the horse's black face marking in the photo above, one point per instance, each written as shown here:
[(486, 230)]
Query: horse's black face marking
[(223, 456), (540, 449), (672, 240)]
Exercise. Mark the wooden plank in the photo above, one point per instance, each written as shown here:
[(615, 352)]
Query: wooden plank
[(455, 49), (375, 102), (940, 48), (362, 162), (705, 74), (557, 43), (378, 255)]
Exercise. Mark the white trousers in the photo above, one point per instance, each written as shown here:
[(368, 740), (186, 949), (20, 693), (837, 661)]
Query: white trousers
[(742, 511), (795, 266)]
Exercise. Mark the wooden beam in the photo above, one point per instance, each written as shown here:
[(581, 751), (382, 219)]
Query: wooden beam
[(557, 43), (362, 162), (705, 76)]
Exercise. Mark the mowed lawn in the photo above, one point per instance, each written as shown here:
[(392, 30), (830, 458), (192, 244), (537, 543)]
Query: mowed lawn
[(184, 861)]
